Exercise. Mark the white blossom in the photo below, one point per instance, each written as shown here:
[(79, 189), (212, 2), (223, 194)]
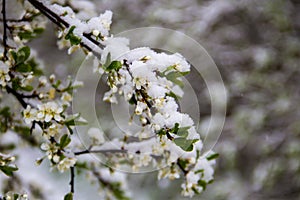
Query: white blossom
[(11, 196), (140, 107), (66, 163), (116, 47), (51, 149), (66, 98), (29, 114), (96, 135), (4, 76), (53, 130), (48, 111), (43, 81), (110, 97), (27, 80), (100, 24), (169, 172)]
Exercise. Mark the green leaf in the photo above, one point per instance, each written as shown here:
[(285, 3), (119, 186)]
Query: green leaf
[(70, 32), (115, 65), (22, 130), (10, 146), (69, 196), (74, 120), (14, 55), (173, 77), (16, 196), (64, 141), (183, 163), (108, 61), (172, 94), (27, 88), (212, 156), (8, 170), (38, 31), (82, 165), (183, 131), (57, 84), (184, 144), (199, 171), (26, 35), (23, 68), (169, 68), (184, 73), (73, 38), (23, 54), (39, 161), (175, 128), (161, 132), (132, 100), (202, 183), (118, 192), (70, 130), (5, 119), (5, 112), (34, 67), (16, 83)]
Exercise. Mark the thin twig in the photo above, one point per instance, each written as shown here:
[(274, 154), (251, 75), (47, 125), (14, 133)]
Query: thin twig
[(181, 167), (49, 14), (18, 96), (72, 179), (62, 23), (100, 151), (4, 29)]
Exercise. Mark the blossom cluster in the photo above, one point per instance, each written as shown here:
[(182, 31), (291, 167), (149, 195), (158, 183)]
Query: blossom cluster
[(14, 196), (151, 82), (45, 113)]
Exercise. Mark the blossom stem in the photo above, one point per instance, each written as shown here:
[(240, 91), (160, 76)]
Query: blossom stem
[(101, 151), (72, 172), (181, 167), (4, 29)]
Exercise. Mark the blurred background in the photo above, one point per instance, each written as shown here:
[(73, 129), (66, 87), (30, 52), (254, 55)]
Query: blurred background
[(256, 46)]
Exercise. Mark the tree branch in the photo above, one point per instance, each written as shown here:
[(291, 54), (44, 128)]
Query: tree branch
[(56, 19), (72, 179), (17, 95), (4, 29)]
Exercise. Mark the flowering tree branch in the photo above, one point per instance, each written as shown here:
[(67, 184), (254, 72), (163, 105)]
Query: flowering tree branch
[(149, 81), (62, 23)]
